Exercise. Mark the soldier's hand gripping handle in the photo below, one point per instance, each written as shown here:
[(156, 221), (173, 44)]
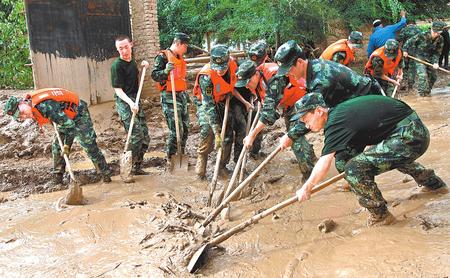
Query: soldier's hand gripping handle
[(217, 140)]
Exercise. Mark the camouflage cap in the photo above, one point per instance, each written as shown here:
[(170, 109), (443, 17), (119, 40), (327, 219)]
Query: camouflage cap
[(219, 57), (184, 38), (438, 26), (307, 103), (391, 48), (356, 38), (246, 71), (12, 107), (257, 52), (286, 56)]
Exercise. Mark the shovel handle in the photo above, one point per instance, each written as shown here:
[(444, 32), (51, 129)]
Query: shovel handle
[(175, 111), (130, 130), (61, 145), (426, 63), (238, 189), (219, 152), (269, 211)]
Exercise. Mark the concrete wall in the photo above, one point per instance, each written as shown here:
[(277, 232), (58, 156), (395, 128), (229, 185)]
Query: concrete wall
[(144, 27)]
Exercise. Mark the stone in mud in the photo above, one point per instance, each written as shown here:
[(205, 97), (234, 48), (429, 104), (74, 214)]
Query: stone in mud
[(327, 225)]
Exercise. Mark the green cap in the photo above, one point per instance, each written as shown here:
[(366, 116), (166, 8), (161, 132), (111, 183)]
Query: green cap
[(246, 71), (286, 56), (219, 57), (12, 107), (438, 26), (184, 38), (307, 103), (257, 52), (356, 38), (391, 48)]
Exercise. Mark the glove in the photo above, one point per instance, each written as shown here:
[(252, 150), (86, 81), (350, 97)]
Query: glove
[(435, 66), (66, 149), (169, 67), (217, 141)]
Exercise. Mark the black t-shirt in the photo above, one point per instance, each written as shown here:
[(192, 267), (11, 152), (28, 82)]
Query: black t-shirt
[(124, 75), (362, 121)]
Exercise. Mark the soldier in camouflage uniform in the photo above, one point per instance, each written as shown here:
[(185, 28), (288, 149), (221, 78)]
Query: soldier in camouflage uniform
[(125, 81), (167, 61), (213, 84), (395, 133), (383, 63), (426, 46), (334, 81), (80, 128), (409, 70)]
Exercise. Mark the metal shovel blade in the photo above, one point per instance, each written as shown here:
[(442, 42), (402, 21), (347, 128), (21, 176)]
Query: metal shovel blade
[(179, 163), (125, 165), (199, 258), (75, 194)]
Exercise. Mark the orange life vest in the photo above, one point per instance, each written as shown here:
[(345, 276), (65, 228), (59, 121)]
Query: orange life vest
[(221, 87), (295, 90), (268, 71), (340, 45), (70, 99), (179, 74), (389, 65)]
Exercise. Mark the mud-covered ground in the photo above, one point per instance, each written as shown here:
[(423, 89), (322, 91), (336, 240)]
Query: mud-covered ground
[(150, 228)]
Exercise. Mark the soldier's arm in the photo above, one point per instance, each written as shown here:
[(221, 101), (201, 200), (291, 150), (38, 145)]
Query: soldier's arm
[(377, 65), (297, 130), (118, 82), (53, 110), (159, 65), (411, 43), (275, 92), (207, 88), (339, 57)]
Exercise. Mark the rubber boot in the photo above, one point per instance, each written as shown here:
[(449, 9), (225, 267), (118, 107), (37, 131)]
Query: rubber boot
[(57, 179)]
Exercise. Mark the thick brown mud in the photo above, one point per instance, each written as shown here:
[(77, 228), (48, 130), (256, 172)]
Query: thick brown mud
[(149, 228)]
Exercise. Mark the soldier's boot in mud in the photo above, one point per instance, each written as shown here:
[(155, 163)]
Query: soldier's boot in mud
[(200, 167), (137, 170), (440, 190), (106, 177), (380, 219)]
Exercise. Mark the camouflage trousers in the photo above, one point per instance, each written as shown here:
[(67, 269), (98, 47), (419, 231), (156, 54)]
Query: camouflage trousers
[(207, 135), (387, 86), (183, 120), (302, 149), (409, 73), (399, 150), (426, 77), (85, 134), (139, 139)]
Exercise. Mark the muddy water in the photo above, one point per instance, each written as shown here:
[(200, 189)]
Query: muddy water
[(102, 238)]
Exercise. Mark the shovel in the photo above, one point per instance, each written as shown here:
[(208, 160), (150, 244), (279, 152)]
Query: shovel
[(426, 63), (219, 152), (126, 160), (75, 194), (178, 161), (244, 162), (238, 189), (200, 257), (395, 91), (226, 191)]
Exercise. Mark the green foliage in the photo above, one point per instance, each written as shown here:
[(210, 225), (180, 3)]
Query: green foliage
[(14, 48)]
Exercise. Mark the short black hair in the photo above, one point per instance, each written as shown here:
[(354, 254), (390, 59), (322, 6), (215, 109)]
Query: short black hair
[(122, 37)]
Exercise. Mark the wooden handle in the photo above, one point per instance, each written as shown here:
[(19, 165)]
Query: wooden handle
[(219, 152), (130, 130), (175, 110), (238, 189), (426, 63), (61, 145), (269, 211)]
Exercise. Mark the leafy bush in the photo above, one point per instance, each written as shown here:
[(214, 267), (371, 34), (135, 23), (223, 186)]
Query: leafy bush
[(14, 47)]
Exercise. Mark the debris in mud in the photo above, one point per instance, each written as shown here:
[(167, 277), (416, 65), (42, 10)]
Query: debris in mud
[(3, 200), (326, 226), (407, 179), (274, 179), (290, 268), (133, 204), (275, 217)]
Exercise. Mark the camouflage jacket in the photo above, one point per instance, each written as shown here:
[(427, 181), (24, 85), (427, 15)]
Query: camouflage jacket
[(159, 65), (424, 47), (336, 83), (378, 63), (53, 110), (408, 32), (208, 103)]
